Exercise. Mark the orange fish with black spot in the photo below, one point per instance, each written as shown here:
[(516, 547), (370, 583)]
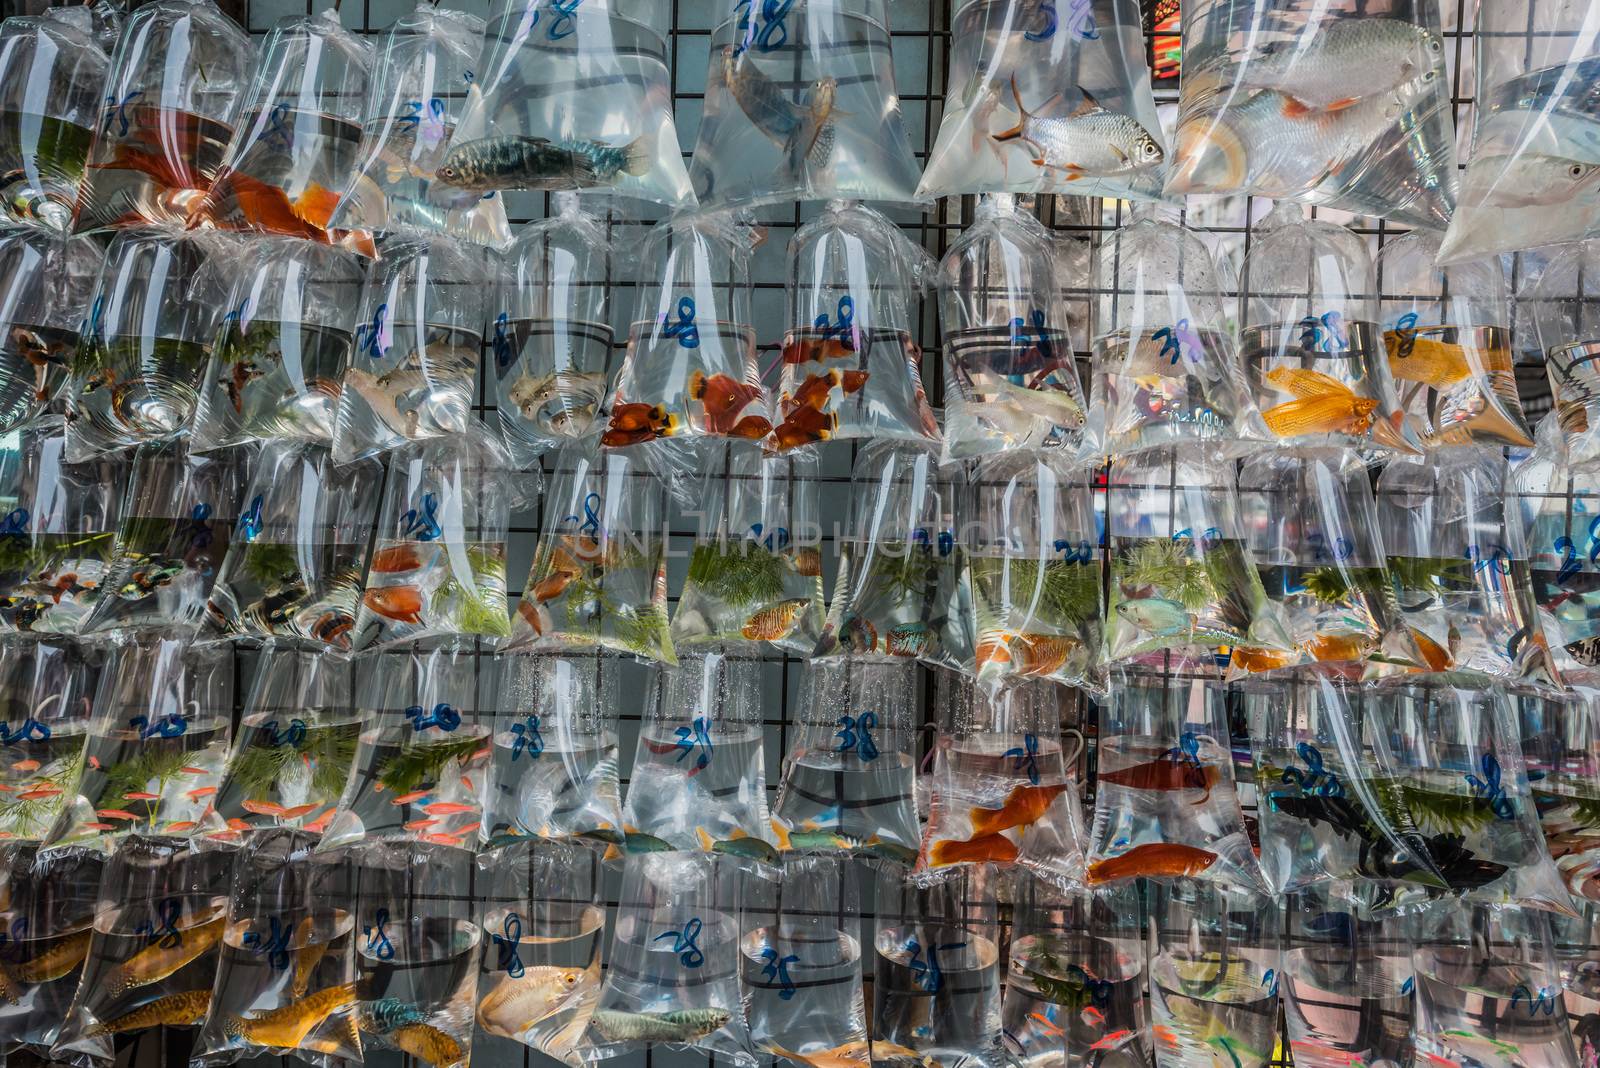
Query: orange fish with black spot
[(1156, 860), (803, 349), (724, 397), (813, 392), (633, 423)]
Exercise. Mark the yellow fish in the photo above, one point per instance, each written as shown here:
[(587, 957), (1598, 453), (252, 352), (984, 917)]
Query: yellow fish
[(156, 961), (306, 958), (1322, 405), (286, 1027), (515, 1005), (1434, 363), (1251, 660), (775, 621), (174, 1010), (1325, 648), (850, 1055), (430, 1044), (56, 961)]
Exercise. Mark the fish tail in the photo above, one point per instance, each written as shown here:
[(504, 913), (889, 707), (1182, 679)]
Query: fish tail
[(697, 385), (1023, 115), (636, 156)]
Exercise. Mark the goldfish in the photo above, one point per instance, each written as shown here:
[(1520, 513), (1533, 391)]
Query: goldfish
[(852, 381), (1023, 806), (287, 1026), (1323, 405), (517, 162), (320, 824), (978, 850), (403, 557), (536, 615), (1089, 141), (1415, 357), (776, 621), (856, 1054), (685, 1025), (428, 1043), (805, 425), (1343, 61), (175, 1010), (156, 961), (400, 603), (1037, 655), (813, 392), (1154, 860), (552, 585), (633, 423), (512, 1006), (267, 207), (55, 962), (1528, 180)]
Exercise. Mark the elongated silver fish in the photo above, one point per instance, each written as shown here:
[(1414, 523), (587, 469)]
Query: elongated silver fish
[(539, 163), (683, 1026), (1091, 142), (1527, 181), (805, 131), (1347, 61)]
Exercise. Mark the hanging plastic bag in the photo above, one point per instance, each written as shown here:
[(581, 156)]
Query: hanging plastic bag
[(176, 519), (298, 135), (296, 744), (555, 761), (438, 565), (162, 910), (1100, 138), (902, 588), (1166, 371), (286, 983), (854, 280), (1274, 104), (1010, 373), (418, 341), (1560, 749), (1165, 806), (539, 972), (294, 564), (755, 575), (46, 283), (849, 777), (599, 572), (1578, 953), (552, 333), (1448, 334), (44, 697), (425, 749), (1567, 332), (568, 97), (1035, 570), (672, 969), (51, 896), (172, 98)]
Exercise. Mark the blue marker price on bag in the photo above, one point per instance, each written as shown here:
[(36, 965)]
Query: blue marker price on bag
[(1026, 756), (250, 520), (275, 946), (118, 112), (373, 338), (528, 738), (778, 968), (1324, 333), (377, 933), (564, 25), (693, 737), (1497, 559), (1315, 779), (855, 735), (443, 716), (927, 973), (591, 516), (1178, 342), (200, 527), (685, 943), (14, 527), (684, 330), (504, 353), (422, 525), (294, 734), (171, 725), (510, 962), (1488, 787), (163, 931), (1080, 553), (30, 731)]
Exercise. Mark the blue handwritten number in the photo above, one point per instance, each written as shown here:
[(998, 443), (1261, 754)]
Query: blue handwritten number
[(696, 736), (684, 330), (563, 25), (778, 968), (13, 946), (1047, 8), (443, 716), (528, 738), (414, 111), (1081, 553), (855, 734), (1174, 340), (30, 731), (684, 943), (250, 520), (163, 931), (591, 516), (378, 943), (1211, 536), (842, 325), (14, 527), (1187, 749), (118, 113), (1497, 558), (1544, 1000), (1026, 756), (294, 734), (1083, 24), (275, 946), (423, 525), (1570, 564), (372, 338), (1405, 329), (774, 30), (1324, 333), (1316, 779), (510, 961), (200, 527), (927, 973), (171, 725), (1341, 548), (1041, 336), (1489, 789)]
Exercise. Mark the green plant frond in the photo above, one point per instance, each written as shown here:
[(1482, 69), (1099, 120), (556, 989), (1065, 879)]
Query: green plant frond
[(419, 764), (739, 575), (1326, 584), (135, 775), (643, 630), (268, 563), (1430, 572), (1451, 812), (1165, 566), (1068, 593)]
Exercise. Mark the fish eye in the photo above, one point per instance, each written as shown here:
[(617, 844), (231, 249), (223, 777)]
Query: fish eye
[(1577, 170), (1435, 45)]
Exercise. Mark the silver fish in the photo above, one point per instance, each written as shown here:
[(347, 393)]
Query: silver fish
[(683, 1026), (1157, 615), (1527, 181), (539, 163), (1349, 60), (805, 131), (1091, 142)]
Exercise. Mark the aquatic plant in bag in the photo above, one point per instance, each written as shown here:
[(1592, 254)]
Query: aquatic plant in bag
[(849, 777), (1561, 750), (539, 973), (46, 284), (1010, 371), (599, 571), (755, 574), (851, 368), (1342, 108), (51, 896), (555, 749), (178, 76), (45, 689)]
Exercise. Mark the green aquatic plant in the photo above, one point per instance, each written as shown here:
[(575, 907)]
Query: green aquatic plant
[(329, 749), (160, 765), (30, 817), (643, 629), (268, 562), (1326, 584), (418, 764), (745, 574), (1068, 593), (1451, 812), (1429, 572), (1166, 566)]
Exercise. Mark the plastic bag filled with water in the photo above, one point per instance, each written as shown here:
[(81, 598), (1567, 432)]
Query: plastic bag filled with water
[(1561, 749), (1182, 582), (417, 951), (295, 563), (46, 285), (1579, 959), (56, 542), (699, 774), (51, 895), (424, 752), (755, 574), (1342, 108), (418, 342), (568, 97), (177, 517), (295, 744), (552, 333), (171, 104), (278, 360), (849, 777), (1166, 371), (1034, 564), (1010, 125), (1311, 344), (801, 105), (287, 980), (902, 588), (426, 62), (1010, 374), (1460, 566), (1566, 330), (554, 774), (1556, 498), (544, 916), (438, 564), (1448, 334), (45, 691), (141, 358), (599, 571), (152, 955), (854, 285), (672, 970)]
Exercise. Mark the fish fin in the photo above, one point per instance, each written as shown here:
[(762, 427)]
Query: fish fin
[(537, 142), (697, 385), (1023, 115), (781, 834), (1295, 109), (636, 157), (1085, 106), (706, 841), (1306, 384), (1340, 105)]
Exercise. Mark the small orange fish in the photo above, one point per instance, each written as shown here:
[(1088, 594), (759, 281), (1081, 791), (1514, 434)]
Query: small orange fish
[(400, 603), (262, 808), (297, 811), (411, 798), (990, 847), (852, 381), (448, 808), (94, 762), (115, 814), (1329, 413), (99, 827), (194, 771), (182, 825), (200, 792), (775, 622), (39, 793), (817, 350), (807, 561), (26, 765), (418, 825), (1157, 860), (141, 795), (723, 397), (469, 828), (1042, 655), (1434, 655), (751, 428), (1252, 660), (238, 824), (1024, 805), (805, 425), (442, 839), (396, 558), (1436, 364), (1326, 648), (1047, 1025), (320, 824), (633, 423), (552, 586), (813, 392), (536, 615)]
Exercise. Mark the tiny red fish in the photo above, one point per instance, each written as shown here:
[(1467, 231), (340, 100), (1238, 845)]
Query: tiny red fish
[(448, 808), (411, 798), (396, 558), (262, 808), (200, 792), (39, 793), (418, 825), (99, 827), (182, 825), (115, 814), (141, 795)]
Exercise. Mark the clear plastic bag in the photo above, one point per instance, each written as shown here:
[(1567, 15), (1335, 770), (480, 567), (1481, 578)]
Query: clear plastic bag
[(552, 333), (599, 572), (294, 565), (418, 342), (424, 749), (849, 777), (1010, 373), (1034, 564), (1166, 371), (51, 896), (416, 94), (45, 690), (555, 750), (1448, 334), (1561, 748), (801, 105), (755, 574), (286, 982), (902, 588), (438, 564), (854, 283), (1343, 108), (178, 76), (699, 778), (569, 97), (539, 973), (1556, 499), (46, 283), (1566, 329), (177, 515), (1100, 138), (1578, 952)]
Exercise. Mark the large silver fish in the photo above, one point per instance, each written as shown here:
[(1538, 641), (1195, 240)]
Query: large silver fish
[(1350, 60), (1528, 180), (1091, 142), (805, 131), (539, 163)]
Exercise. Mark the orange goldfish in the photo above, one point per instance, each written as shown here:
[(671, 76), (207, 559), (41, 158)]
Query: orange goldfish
[(1024, 805), (552, 585), (400, 603), (403, 557), (1041, 655), (751, 428), (1327, 648), (1154, 860), (774, 622), (1323, 405), (320, 824), (1166, 772), (1429, 361), (988, 847)]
